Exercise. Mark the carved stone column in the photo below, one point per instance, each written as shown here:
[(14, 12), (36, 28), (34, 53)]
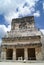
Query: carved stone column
[(3, 54), (38, 53), (14, 54), (25, 54)]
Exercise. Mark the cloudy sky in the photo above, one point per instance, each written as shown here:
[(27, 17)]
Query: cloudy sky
[(19, 8)]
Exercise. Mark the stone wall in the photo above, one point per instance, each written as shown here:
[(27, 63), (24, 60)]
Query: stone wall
[(42, 41), (0, 52), (38, 53), (24, 22), (3, 54)]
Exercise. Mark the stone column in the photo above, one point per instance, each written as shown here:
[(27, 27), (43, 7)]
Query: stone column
[(14, 54), (25, 54), (38, 53), (3, 54)]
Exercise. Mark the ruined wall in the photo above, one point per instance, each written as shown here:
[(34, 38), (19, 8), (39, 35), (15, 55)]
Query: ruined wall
[(42, 41), (25, 22)]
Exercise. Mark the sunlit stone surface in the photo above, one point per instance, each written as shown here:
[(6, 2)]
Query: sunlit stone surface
[(23, 42)]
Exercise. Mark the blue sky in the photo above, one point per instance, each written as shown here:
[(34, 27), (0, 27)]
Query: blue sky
[(10, 9)]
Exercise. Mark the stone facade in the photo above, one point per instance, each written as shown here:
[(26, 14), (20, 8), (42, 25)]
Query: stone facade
[(23, 42), (42, 40)]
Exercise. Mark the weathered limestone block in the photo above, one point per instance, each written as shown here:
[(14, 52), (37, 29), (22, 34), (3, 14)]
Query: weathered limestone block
[(14, 54), (38, 53), (43, 51), (25, 54), (3, 54)]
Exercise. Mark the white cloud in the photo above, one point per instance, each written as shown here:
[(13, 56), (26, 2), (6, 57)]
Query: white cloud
[(22, 11), (42, 30), (37, 13), (3, 31), (10, 16), (43, 6), (4, 28), (8, 8), (32, 2)]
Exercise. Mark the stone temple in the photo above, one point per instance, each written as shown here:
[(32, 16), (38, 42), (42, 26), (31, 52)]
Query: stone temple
[(23, 42)]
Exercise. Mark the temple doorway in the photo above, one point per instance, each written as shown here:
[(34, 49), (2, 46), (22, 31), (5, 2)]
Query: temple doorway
[(19, 54), (9, 54), (31, 54)]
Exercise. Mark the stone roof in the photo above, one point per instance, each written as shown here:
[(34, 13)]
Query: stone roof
[(27, 18)]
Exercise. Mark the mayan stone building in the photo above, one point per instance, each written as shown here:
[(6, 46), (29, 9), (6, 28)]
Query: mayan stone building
[(23, 41)]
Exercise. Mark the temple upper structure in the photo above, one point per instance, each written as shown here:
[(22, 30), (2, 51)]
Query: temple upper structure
[(23, 27)]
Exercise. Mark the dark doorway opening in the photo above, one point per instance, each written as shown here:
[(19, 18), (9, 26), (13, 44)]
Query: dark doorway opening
[(19, 54), (31, 54), (9, 54)]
